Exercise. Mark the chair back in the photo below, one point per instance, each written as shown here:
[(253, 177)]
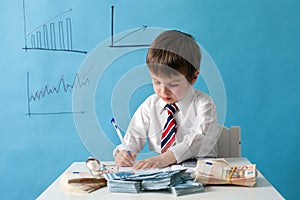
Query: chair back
[(229, 143)]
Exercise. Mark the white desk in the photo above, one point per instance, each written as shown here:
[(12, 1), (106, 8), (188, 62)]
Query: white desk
[(262, 190)]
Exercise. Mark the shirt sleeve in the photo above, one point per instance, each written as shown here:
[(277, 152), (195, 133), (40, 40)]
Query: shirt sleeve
[(135, 136), (201, 138)]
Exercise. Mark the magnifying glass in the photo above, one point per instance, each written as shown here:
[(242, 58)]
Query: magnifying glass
[(95, 167)]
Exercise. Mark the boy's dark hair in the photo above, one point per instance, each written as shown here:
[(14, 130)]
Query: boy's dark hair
[(177, 52)]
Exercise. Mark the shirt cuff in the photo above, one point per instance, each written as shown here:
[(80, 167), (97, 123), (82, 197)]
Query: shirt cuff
[(117, 150), (179, 154)]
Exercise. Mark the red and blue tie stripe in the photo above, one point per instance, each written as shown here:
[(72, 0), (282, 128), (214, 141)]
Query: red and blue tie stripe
[(170, 129)]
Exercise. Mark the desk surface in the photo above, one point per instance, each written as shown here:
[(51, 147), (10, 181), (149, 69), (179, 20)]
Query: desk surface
[(262, 190)]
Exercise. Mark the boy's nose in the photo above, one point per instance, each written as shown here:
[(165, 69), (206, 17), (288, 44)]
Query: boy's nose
[(165, 90)]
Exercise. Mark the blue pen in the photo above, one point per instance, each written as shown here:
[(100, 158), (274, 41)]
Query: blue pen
[(120, 135)]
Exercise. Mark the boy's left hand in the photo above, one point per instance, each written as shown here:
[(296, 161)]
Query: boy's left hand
[(159, 161)]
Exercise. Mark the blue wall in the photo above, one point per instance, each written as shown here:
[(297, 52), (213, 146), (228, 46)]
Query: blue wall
[(255, 45)]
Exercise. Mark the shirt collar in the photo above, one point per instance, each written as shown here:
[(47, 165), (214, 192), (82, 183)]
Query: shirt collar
[(186, 101)]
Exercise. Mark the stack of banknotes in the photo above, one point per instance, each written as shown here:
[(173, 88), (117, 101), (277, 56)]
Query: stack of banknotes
[(82, 182), (218, 171), (124, 186), (189, 187), (152, 179)]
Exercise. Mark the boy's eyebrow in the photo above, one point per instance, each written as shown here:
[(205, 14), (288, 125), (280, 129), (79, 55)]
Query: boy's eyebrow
[(177, 81), (171, 81)]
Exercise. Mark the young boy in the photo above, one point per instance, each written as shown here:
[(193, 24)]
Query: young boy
[(179, 122)]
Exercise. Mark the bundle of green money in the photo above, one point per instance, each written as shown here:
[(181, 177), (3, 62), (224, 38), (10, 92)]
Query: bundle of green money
[(218, 171)]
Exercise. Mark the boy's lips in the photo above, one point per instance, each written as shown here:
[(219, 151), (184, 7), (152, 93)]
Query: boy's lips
[(166, 98)]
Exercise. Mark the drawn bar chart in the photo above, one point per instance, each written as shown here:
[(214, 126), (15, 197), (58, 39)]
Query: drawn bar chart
[(48, 39), (50, 35)]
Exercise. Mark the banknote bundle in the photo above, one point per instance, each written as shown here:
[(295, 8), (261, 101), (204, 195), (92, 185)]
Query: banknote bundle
[(152, 179), (188, 187), (218, 171), (124, 186), (82, 182)]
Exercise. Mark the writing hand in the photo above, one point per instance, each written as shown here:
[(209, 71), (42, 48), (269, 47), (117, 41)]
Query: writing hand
[(125, 158), (159, 161)]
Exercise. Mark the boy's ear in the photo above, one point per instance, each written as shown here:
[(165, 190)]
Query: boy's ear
[(195, 76)]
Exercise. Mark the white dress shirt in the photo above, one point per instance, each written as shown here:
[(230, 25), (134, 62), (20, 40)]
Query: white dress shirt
[(197, 126)]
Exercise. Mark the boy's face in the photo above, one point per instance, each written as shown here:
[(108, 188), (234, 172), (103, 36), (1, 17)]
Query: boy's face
[(170, 90)]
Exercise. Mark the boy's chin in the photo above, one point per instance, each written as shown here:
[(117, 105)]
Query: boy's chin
[(169, 101)]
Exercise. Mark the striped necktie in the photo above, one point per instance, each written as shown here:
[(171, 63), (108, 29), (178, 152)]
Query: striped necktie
[(170, 128)]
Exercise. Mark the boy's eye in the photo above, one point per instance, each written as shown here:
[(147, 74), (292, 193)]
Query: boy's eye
[(156, 82), (173, 85)]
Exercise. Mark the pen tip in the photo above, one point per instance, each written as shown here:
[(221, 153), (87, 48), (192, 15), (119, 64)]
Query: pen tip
[(112, 120)]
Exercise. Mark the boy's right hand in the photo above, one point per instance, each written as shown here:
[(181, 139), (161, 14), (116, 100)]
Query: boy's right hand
[(125, 159)]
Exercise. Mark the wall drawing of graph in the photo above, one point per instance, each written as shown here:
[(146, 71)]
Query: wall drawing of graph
[(62, 86), (48, 39), (113, 42), (50, 36)]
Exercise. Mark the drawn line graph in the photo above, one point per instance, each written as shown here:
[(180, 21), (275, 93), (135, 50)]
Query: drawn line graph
[(47, 90), (50, 36), (113, 42)]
